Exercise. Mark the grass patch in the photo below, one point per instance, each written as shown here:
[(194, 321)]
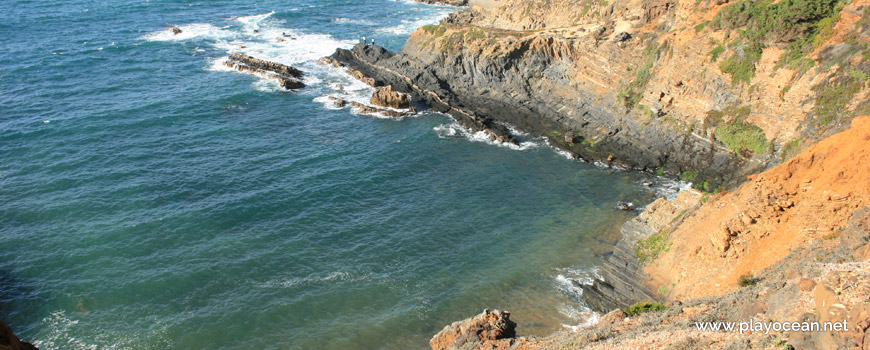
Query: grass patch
[(714, 54), (644, 307), (741, 137), (701, 26), (833, 96), (689, 175), (649, 248)]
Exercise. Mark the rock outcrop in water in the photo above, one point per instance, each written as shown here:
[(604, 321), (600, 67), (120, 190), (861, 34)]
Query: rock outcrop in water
[(290, 78), (386, 97), (8, 340)]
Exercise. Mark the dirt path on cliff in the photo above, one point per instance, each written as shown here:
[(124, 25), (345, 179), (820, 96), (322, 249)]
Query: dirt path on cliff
[(809, 197)]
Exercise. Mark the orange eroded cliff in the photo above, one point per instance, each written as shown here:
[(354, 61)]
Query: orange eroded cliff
[(807, 198)]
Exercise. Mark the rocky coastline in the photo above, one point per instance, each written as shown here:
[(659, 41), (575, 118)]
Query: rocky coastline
[(641, 86)]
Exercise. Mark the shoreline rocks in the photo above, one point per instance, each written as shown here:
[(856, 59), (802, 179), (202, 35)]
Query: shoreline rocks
[(491, 329), (517, 87), (386, 97), (364, 109), (290, 78)]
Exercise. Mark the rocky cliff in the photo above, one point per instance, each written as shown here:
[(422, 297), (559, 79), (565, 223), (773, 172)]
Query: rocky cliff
[(708, 91), (776, 267)]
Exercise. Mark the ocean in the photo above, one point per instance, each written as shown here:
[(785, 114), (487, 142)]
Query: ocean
[(151, 198)]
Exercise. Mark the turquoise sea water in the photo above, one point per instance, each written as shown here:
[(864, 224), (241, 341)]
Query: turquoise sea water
[(151, 199)]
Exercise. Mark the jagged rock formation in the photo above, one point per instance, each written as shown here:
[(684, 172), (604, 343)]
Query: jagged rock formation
[(485, 329), (364, 109), (661, 85), (524, 85), (8, 340), (620, 282), (386, 97), (288, 77), (375, 62)]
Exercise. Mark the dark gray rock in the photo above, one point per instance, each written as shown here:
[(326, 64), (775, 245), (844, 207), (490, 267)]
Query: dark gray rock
[(288, 77), (530, 90)]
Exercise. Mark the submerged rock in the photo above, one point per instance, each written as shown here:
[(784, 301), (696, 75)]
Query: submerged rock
[(288, 77), (484, 329), (175, 30), (386, 97), (625, 205)]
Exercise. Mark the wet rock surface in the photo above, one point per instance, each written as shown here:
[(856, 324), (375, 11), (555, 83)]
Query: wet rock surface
[(289, 77)]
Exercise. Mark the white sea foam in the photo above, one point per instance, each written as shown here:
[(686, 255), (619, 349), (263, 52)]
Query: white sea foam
[(196, 31), (570, 281), (453, 129), (259, 36), (409, 26), (353, 21), (310, 279)]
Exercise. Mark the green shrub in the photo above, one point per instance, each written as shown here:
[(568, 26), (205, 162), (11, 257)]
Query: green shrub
[(741, 68), (833, 96), (802, 24), (714, 54), (747, 280), (644, 307), (740, 136), (649, 248), (630, 94), (791, 148), (689, 175)]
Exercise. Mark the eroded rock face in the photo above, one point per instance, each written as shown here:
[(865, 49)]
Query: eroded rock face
[(485, 329), (288, 77), (8, 340), (386, 97)]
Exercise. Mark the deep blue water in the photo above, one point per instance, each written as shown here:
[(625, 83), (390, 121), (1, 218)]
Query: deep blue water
[(151, 199)]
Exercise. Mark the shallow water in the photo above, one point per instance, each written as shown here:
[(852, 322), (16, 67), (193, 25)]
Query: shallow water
[(151, 198)]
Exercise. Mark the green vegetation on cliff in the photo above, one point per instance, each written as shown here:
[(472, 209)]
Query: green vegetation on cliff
[(760, 23), (649, 248), (644, 307)]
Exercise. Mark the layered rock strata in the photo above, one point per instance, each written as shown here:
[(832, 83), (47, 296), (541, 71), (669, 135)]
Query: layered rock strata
[(290, 78)]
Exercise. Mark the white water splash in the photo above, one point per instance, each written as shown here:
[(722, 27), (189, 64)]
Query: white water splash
[(451, 130)]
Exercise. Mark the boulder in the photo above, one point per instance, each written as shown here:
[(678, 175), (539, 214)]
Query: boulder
[(478, 331), (386, 97)]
